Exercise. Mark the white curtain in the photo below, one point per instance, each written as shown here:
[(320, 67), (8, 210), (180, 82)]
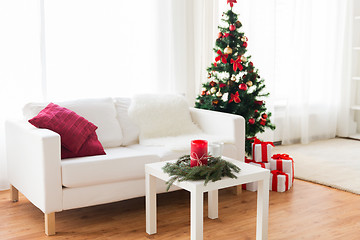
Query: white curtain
[(20, 64), (309, 73)]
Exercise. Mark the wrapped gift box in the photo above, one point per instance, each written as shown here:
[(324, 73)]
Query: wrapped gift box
[(279, 181), (261, 151), (253, 185), (283, 163)]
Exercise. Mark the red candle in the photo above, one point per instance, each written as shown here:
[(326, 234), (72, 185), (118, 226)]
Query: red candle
[(198, 153)]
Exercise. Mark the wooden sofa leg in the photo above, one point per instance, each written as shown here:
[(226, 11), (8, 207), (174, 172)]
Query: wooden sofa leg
[(238, 189), (14, 194), (50, 224)]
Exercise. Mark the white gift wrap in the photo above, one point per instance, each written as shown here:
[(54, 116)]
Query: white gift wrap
[(280, 183), (253, 185), (286, 166), (257, 152)]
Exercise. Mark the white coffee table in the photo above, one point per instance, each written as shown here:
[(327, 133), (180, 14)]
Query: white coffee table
[(248, 173)]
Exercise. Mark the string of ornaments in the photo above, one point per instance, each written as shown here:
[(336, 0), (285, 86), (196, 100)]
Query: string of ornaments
[(234, 84)]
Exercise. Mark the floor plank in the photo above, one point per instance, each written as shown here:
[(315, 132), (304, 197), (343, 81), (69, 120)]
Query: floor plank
[(307, 211)]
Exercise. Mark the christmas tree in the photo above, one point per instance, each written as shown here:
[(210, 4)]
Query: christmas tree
[(234, 84)]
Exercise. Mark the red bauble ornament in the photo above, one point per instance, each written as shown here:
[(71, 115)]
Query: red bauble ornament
[(243, 86), (203, 93), (244, 44), (232, 27), (251, 121), (264, 116), (262, 121), (251, 64), (207, 93), (220, 34), (221, 85)]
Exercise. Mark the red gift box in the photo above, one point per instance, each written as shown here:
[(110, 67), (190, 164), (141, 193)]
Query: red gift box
[(279, 181), (261, 151), (253, 185), (283, 163)]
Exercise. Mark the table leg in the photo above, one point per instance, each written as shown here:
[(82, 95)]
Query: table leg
[(197, 199), (150, 183), (262, 209), (213, 204)]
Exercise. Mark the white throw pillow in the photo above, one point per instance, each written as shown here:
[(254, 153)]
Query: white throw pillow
[(99, 111), (161, 115), (129, 129)]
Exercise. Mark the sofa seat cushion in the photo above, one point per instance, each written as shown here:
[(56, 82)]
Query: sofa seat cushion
[(164, 153), (119, 164)]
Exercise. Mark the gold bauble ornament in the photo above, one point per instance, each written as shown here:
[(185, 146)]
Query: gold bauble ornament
[(219, 94), (213, 90), (228, 50), (243, 58), (249, 83), (233, 78)]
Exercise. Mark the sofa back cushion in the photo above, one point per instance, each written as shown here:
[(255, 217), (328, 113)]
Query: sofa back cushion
[(161, 115), (129, 129), (99, 111)]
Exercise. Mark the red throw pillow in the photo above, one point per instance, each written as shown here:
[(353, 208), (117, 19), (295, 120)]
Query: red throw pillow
[(72, 128), (91, 147)]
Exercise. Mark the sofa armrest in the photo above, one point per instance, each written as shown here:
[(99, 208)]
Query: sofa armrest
[(34, 164), (218, 123)]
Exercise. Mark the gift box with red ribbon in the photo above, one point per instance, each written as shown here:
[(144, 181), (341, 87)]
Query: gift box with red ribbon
[(283, 163), (253, 185), (279, 181), (261, 151)]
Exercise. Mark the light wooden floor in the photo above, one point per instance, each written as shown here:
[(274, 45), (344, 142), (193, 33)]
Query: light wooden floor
[(307, 211)]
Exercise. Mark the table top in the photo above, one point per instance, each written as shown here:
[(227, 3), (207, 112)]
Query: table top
[(248, 173)]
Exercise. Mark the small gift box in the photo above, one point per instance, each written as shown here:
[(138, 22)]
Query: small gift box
[(283, 163), (261, 151), (279, 181), (253, 185)]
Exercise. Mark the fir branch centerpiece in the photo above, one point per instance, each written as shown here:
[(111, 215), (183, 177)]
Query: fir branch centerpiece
[(213, 171)]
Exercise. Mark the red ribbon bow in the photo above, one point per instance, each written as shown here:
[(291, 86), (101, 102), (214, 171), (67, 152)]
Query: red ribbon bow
[(281, 156), (236, 64), (275, 174), (221, 56), (231, 2), (227, 35), (235, 97)]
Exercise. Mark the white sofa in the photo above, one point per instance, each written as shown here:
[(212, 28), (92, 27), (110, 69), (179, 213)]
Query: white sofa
[(36, 170)]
